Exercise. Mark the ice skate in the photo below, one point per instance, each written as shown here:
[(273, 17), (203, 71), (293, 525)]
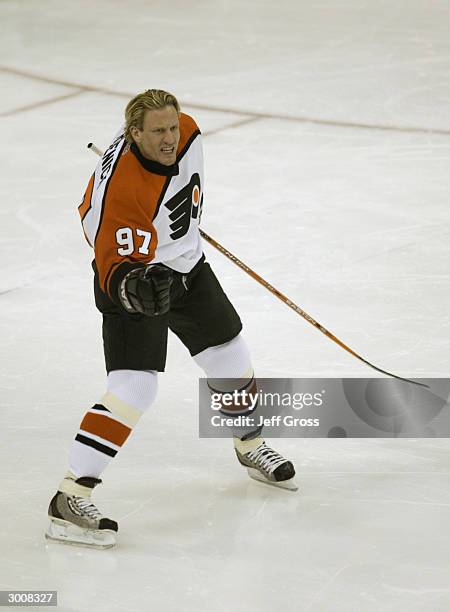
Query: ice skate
[(264, 464), (75, 520)]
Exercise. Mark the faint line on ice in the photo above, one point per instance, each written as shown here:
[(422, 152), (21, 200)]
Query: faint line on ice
[(41, 103), (321, 591), (220, 109), (231, 125)]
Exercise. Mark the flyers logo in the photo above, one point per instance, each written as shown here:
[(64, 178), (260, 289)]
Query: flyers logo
[(184, 206)]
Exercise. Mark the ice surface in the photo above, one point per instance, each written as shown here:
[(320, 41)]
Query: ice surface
[(327, 150)]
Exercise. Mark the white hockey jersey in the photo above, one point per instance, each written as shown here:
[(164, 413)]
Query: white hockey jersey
[(137, 210)]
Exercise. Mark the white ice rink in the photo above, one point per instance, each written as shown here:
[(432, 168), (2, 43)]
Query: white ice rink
[(327, 143)]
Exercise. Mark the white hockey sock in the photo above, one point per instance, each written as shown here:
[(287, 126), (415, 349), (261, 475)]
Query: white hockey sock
[(107, 425)]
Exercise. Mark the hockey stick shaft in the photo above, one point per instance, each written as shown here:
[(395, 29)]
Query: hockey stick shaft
[(285, 299), (297, 309)]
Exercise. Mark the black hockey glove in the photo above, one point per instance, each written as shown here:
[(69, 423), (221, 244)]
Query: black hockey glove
[(147, 290)]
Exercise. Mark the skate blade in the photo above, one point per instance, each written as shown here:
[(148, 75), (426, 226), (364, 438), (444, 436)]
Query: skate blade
[(288, 485), (67, 533)]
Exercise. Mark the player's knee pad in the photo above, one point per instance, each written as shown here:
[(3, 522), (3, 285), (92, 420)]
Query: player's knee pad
[(136, 388), (229, 360)]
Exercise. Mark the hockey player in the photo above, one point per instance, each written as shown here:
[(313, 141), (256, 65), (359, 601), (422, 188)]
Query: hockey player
[(140, 213)]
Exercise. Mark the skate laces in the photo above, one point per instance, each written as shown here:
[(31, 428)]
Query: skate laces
[(86, 507), (266, 458)]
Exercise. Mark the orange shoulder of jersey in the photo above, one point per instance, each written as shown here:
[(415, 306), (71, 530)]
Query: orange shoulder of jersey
[(188, 130), (120, 203)]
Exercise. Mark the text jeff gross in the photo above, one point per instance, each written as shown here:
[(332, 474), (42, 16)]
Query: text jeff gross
[(273, 421)]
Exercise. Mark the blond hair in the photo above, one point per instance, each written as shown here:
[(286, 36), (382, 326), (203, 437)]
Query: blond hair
[(152, 99)]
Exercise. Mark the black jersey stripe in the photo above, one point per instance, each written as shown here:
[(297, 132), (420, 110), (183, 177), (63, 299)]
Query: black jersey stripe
[(161, 197), (106, 450), (184, 150)]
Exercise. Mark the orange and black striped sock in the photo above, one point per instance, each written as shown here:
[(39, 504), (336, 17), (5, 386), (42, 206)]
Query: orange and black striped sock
[(102, 433)]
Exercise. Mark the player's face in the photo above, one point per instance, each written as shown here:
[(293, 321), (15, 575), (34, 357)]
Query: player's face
[(159, 138)]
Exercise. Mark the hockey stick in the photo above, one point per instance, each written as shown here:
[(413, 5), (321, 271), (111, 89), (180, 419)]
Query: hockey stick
[(285, 299)]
